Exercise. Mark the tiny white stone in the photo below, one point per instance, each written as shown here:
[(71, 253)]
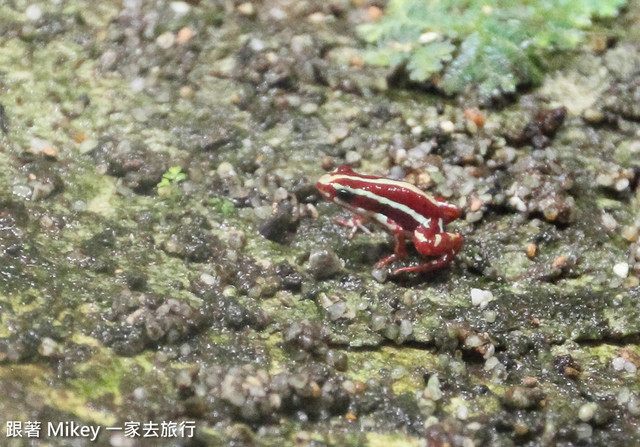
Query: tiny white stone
[(166, 40), (630, 367), (462, 413), (481, 297), (277, 13), (137, 85), (490, 316), (584, 431), (473, 341), (622, 184), (491, 363), (609, 221), (587, 411), (180, 8), (618, 363), (406, 328), (308, 108), (428, 37), (256, 45), (604, 179), (624, 395), (226, 170), (518, 204), (208, 279), (621, 269), (447, 126), (352, 157), (33, 13)]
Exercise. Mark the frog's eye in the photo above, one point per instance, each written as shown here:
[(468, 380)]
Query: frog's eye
[(344, 195)]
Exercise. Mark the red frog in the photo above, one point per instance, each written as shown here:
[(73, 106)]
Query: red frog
[(402, 208)]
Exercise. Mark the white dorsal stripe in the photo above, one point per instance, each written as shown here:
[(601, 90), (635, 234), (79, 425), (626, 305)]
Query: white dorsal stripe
[(387, 181), (422, 220)]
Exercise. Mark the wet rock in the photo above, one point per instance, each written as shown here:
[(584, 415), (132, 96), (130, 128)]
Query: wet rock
[(519, 397), (566, 365), (337, 359), (280, 226), (324, 263), (192, 242), (541, 129), (290, 278), (307, 337), (141, 169)]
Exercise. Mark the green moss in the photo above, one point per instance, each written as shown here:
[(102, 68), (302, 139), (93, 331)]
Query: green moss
[(493, 44), (223, 206)]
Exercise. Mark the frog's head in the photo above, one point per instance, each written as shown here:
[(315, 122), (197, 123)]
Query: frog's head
[(331, 188)]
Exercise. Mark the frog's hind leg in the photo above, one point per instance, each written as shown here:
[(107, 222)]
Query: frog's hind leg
[(400, 249), (432, 243)]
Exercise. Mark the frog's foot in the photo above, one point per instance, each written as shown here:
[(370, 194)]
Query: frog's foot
[(436, 264), (355, 223)]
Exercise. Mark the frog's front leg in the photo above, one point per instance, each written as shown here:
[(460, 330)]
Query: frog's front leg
[(432, 242), (400, 249), (355, 223)]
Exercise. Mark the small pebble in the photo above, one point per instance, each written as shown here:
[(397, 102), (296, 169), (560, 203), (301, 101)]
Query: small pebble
[(587, 411), (246, 9), (604, 180), (137, 85), (592, 115), (630, 233), (226, 170), (518, 204), (481, 297), (490, 316), (317, 17), (584, 431), (476, 204), (462, 413), (180, 8), (166, 40), (474, 216), (609, 221), (185, 35), (623, 396), (406, 328), (491, 363), (309, 108), (277, 13), (630, 367), (531, 250), (559, 262), (618, 363), (447, 127), (33, 13), (208, 279), (186, 92), (352, 158), (324, 263), (622, 184), (621, 269)]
